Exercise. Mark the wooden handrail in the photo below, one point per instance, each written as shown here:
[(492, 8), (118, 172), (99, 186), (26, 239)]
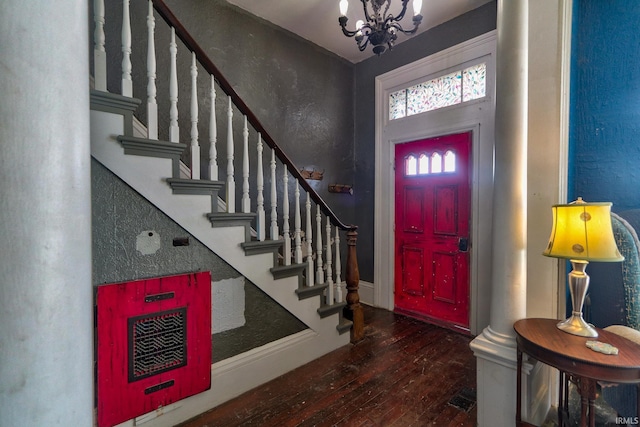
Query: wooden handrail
[(168, 16)]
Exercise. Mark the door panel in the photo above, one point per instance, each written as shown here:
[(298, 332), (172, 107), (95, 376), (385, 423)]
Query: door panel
[(432, 211), (412, 277), (414, 210)]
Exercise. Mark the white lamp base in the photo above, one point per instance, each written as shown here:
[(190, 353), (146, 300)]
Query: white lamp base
[(577, 326)]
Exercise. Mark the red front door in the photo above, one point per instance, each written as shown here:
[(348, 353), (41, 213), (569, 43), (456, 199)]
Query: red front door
[(432, 210)]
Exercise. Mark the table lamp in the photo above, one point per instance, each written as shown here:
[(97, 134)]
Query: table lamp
[(581, 233)]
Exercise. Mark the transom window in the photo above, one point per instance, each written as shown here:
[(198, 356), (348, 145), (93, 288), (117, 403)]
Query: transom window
[(430, 163), (451, 89)]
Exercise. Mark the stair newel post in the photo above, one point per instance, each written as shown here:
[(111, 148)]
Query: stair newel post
[(152, 103), (338, 267), (285, 219), (319, 270), (195, 146), (353, 310), (329, 256), (298, 226), (213, 134), (260, 220), (246, 202), (274, 198), (231, 183), (308, 241), (174, 130), (127, 84), (99, 53)]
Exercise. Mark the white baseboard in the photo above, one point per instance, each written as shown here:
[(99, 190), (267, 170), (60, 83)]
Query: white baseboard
[(366, 291), (234, 376)]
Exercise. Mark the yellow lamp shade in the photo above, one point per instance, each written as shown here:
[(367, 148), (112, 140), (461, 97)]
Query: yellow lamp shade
[(582, 231)]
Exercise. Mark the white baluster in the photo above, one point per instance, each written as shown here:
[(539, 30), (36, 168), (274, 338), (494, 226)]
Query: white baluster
[(274, 198), (231, 183), (285, 219), (309, 238), (329, 261), (319, 270), (298, 226), (174, 130), (260, 221), (152, 103), (99, 54), (127, 84), (246, 202), (213, 135), (338, 267), (195, 147)]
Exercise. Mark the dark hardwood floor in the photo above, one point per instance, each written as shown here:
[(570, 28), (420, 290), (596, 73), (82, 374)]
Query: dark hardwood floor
[(404, 373)]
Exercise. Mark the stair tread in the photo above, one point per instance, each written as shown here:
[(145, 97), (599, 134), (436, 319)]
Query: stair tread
[(234, 215), (151, 147), (311, 291), (328, 310), (195, 182)]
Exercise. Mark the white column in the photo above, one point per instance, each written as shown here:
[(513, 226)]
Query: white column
[(246, 201), (319, 264), (495, 347), (274, 197), (329, 256), (99, 53), (297, 224), (152, 104), (231, 182), (260, 216), (195, 145), (309, 242), (127, 83), (46, 307), (213, 134), (338, 284), (286, 251), (174, 130)]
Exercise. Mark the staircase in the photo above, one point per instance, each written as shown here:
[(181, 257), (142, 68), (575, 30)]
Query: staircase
[(300, 269)]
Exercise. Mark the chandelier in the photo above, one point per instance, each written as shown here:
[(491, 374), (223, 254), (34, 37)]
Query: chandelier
[(381, 28)]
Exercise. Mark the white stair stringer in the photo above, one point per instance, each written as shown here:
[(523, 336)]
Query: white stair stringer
[(234, 376)]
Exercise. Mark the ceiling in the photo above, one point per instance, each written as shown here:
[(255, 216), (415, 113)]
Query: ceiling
[(317, 20)]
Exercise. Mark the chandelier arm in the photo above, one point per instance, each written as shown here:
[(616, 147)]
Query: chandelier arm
[(367, 16), (386, 9), (398, 27), (348, 33), (402, 12), (362, 46)]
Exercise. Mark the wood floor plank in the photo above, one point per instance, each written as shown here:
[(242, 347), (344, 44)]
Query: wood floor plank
[(405, 372)]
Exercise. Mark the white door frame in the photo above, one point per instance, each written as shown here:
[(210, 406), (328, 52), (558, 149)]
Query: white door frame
[(475, 116)]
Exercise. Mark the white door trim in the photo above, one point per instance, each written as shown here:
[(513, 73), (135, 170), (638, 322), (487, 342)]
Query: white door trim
[(474, 116)]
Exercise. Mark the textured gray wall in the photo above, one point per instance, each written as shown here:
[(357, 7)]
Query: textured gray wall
[(317, 106), (458, 30), (301, 93), (119, 215)]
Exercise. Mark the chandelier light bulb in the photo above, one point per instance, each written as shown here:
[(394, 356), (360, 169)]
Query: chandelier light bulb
[(344, 5), (417, 6), (359, 24)]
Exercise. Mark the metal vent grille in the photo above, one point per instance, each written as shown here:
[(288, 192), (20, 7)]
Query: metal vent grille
[(157, 343)]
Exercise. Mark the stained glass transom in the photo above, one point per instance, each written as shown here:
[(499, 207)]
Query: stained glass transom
[(430, 163), (444, 91), (398, 104), (474, 82)]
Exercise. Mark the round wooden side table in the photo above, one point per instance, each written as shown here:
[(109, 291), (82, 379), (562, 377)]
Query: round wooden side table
[(542, 340)]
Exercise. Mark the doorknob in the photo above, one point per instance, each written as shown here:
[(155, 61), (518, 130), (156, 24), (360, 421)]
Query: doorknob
[(463, 244)]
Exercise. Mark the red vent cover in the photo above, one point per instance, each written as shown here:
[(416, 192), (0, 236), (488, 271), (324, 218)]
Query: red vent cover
[(154, 344)]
